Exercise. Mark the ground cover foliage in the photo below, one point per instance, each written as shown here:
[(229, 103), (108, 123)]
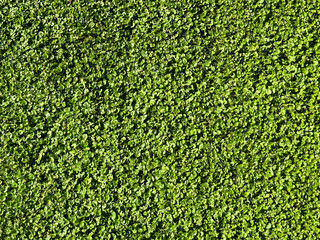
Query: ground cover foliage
[(159, 119)]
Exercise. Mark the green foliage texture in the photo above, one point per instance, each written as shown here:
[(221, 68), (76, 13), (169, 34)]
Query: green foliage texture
[(159, 119)]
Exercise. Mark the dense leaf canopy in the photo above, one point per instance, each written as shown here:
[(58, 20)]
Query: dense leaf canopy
[(159, 119)]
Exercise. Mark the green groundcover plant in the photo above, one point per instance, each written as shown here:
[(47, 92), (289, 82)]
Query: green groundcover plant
[(159, 119)]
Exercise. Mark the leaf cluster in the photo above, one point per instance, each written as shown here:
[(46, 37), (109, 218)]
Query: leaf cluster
[(159, 119)]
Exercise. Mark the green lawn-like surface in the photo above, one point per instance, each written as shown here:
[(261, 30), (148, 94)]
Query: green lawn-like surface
[(159, 119)]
